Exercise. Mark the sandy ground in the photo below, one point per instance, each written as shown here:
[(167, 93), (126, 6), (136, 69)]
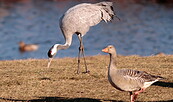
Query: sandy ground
[(30, 81)]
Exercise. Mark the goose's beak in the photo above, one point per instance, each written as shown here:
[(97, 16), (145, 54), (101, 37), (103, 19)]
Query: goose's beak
[(105, 50), (49, 62)]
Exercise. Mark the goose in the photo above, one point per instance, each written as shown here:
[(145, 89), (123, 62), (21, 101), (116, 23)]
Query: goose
[(27, 47), (127, 79)]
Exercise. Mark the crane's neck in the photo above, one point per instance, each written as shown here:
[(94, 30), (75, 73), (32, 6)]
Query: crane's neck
[(68, 40), (61, 46), (66, 45)]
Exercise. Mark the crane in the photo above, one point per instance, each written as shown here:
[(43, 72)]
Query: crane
[(78, 20)]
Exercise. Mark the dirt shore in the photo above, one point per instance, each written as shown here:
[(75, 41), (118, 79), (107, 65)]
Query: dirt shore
[(30, 81)]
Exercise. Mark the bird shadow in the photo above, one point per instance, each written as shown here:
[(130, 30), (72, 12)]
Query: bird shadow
[(57, 99), (162, 101), (164, 84), (142, 101), (65, 99)]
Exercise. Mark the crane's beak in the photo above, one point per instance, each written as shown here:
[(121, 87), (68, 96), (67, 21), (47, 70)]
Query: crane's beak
[(105, 50), (49, 62)]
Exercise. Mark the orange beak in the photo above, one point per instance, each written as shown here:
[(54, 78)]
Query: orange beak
[(105, 50)]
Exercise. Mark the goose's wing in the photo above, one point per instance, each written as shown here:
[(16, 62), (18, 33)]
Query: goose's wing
[(140, 76)]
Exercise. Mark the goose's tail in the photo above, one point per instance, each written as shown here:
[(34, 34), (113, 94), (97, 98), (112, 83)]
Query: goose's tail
[(160, 78)]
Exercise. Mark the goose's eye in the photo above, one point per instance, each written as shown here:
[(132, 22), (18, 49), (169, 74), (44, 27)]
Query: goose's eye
[(110, 47)]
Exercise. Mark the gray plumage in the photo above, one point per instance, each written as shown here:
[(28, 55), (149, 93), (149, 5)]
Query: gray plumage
[(128, 79), (78, 20), (134, 80)]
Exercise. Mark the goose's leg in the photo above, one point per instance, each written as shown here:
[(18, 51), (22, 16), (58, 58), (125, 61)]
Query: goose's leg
[(131, 97), (137, 93), (81, 51)]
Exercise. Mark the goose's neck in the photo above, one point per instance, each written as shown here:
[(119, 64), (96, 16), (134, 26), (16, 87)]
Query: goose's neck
[(113, 63)]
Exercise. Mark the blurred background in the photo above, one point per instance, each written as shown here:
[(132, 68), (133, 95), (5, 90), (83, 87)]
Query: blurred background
[(145, 28)]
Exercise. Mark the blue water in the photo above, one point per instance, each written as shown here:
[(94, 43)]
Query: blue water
[(143, 30)]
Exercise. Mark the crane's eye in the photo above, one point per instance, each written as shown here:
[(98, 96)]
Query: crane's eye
[(50, 52)]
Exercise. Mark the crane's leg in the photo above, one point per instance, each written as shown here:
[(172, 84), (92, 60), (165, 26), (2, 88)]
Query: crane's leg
[(81, 52)]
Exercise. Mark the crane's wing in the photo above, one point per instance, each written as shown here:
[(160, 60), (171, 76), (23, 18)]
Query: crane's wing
[(90, 14), (107, 10)]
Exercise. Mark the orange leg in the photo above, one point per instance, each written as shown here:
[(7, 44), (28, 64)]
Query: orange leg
[(131, 97), (134, 96)]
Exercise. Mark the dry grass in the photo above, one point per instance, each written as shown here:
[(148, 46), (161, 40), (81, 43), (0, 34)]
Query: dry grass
[(30, 80)]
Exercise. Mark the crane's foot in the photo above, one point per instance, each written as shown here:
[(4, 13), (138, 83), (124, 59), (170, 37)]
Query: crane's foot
[(86, 72), (78, 72)]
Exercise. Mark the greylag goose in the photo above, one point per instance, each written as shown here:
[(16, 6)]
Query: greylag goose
[(27, 47), (127, 79)]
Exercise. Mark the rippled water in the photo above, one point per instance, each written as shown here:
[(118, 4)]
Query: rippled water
[(143, 30)]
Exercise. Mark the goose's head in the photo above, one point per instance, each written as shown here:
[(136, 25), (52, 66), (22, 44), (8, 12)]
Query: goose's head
[(109, 49)]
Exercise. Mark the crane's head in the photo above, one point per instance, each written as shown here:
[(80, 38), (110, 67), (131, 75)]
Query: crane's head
[(52, 52)]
